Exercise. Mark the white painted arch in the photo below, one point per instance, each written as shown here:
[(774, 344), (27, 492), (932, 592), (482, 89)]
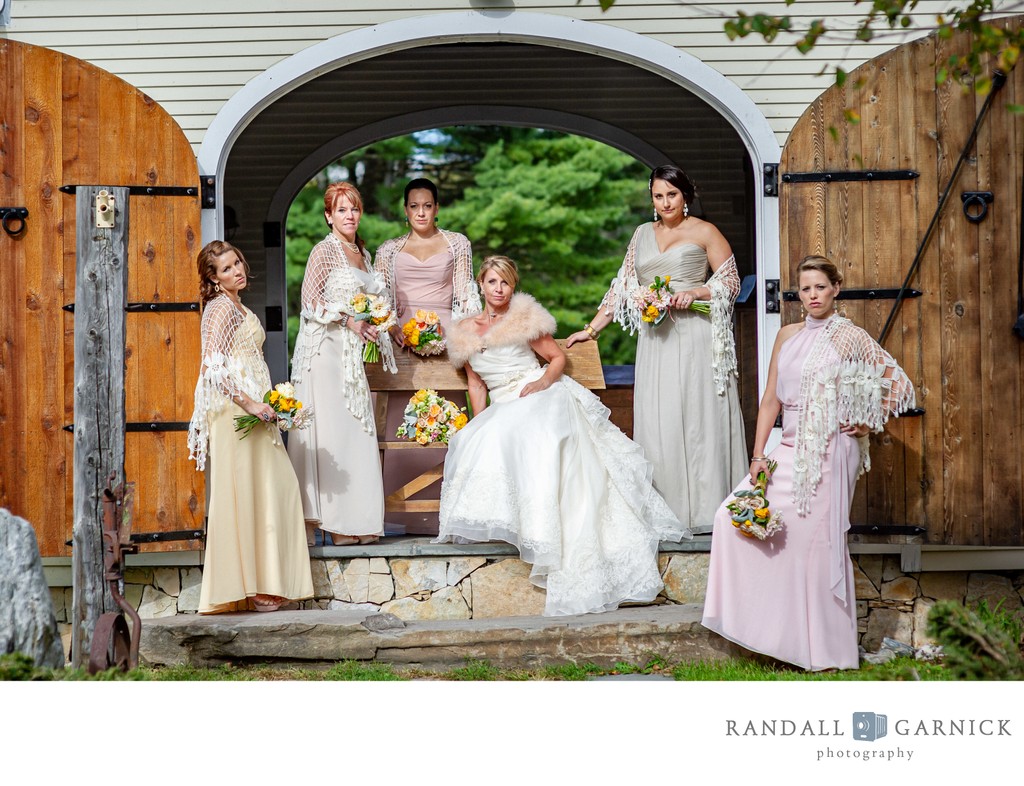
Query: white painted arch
[(511, 26)]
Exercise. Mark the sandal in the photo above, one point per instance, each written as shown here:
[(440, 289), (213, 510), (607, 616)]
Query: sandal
[(268, 602), (364, 539), (344, 540)]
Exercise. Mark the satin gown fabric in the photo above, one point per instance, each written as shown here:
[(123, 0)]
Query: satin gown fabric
[(255, 540), (774, 596), (550, 474), (693, 436)]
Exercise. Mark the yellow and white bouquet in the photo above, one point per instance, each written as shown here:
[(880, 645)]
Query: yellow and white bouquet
[(423, 334), (290, 412), (429, 417), (378, 312), (750, 512)]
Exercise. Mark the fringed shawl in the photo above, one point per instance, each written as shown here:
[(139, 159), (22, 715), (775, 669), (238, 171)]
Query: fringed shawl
[(625, 292), (232, 364), (465, 295), (526, 321), (847, 379), (328, 286)]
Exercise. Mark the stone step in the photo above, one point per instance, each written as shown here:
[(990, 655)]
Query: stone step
[(314, 638)]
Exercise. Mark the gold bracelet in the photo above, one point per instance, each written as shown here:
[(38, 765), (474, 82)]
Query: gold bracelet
[(594, 334)]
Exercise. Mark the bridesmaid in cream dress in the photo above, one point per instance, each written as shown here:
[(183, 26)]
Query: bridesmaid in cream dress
[(337, 460), (428, 268), (686, 407), (255, 547)]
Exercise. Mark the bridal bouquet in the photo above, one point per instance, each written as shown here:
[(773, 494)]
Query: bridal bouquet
[(655, 301), (750, 512), (423, 333), (377, 311), (290, 412), (429, 417)]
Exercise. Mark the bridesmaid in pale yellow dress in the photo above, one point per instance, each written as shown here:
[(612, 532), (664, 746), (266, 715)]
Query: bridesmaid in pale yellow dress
[(255, 538), (428, 268)]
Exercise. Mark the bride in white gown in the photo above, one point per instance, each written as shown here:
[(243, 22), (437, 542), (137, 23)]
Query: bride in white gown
[(543, 468)]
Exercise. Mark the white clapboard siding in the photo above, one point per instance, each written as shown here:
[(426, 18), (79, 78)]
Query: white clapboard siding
[(193, 55)]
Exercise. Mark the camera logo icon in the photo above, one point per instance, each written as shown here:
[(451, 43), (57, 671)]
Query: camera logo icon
[(869, 726)]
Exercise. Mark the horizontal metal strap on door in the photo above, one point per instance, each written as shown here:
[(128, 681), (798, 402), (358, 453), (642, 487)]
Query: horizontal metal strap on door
[(860, 294), (155, 426), (155, 191), (868, 175), (886, 529), (151, 308), (162, 537)]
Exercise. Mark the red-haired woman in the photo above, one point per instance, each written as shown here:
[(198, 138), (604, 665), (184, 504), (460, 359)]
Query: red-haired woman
[(254, 541), (337, 459)]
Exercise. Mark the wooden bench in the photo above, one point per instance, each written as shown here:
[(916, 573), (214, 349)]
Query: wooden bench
[(583, 363)]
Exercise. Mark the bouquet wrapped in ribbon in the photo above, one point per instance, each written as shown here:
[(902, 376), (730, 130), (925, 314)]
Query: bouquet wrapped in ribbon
[(750, 512), (429, 417), (378, 312), (423, 334), (290, 412)]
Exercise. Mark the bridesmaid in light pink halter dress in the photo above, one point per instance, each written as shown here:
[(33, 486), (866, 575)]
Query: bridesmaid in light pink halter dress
[(431, 269)]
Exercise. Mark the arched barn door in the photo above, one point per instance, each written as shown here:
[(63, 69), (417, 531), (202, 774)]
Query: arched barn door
[(956, 469), (66, 122)]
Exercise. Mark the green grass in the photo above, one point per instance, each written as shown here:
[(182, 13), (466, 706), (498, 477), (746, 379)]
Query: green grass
[(17, 667)]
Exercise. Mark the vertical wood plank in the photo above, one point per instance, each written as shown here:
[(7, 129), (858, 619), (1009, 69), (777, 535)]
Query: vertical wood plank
[(13, 371), (45, 460), (102, 283), (958, 249)]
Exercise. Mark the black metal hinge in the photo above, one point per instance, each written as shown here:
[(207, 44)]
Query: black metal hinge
[(148, 308), (859, 294), (771, 180), (154, 426), (850, 176), (206, 191)]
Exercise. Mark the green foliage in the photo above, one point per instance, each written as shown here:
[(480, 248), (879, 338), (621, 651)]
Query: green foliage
[(990, 45), (979, 644), (564, 207)]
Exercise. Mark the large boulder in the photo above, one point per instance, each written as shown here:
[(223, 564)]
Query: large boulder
[(27, 622)]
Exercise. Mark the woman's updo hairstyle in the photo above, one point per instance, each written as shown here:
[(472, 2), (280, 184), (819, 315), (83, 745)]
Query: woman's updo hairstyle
[(675, 176), (503, 266), (420, 182), (823, 265)]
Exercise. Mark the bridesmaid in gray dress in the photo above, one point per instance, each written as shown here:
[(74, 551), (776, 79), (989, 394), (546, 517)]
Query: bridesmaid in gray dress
[(686, 409)]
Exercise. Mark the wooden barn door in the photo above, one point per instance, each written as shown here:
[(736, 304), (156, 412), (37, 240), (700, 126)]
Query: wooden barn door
[(65, 122), (958, 469)]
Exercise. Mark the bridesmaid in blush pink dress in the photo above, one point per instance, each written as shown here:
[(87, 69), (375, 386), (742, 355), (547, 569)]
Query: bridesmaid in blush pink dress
[(792, 595), (431, 269)]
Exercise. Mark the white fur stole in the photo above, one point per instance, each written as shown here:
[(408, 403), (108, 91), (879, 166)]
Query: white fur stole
[(526, 321)]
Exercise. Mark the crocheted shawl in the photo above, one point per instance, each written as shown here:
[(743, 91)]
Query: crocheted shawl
[(847, 378), (465, 295), (232, 364), (625, 292), (328, 286), (526, 321)]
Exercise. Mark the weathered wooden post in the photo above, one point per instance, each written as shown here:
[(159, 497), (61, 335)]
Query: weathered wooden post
[(101, 297)]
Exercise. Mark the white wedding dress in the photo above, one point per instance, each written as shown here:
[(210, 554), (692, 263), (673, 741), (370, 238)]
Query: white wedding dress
[(550, 474)]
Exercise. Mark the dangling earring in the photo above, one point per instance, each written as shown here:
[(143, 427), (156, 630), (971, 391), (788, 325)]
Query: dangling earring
[(686, 210), (656, 214), (330, 224), (803, 311), (216, 287)]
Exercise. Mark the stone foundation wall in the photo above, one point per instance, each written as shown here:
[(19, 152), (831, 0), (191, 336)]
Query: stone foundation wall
[(889, 602)]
